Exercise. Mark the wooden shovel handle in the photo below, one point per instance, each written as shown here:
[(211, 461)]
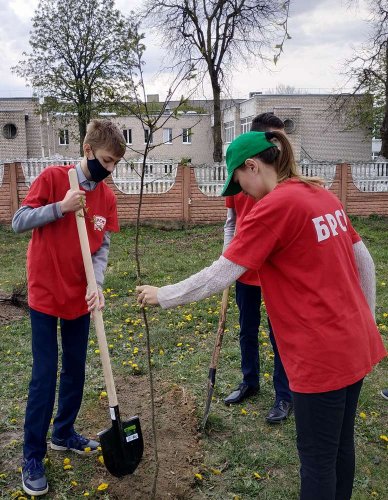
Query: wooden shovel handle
[(92, 286), (221, 329)]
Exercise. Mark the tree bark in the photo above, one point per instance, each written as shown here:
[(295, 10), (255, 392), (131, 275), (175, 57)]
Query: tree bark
[(217, 127)]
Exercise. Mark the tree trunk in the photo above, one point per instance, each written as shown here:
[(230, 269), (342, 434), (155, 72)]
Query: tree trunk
[(384, 125), (217, 127)]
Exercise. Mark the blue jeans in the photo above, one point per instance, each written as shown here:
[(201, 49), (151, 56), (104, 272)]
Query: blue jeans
[(325, 439), (248, 299), (43, 383)]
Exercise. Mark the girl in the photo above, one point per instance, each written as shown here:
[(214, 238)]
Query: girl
[(319, 288)]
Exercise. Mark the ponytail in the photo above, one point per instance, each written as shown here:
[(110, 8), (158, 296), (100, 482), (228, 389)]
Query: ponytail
[(284, 160)]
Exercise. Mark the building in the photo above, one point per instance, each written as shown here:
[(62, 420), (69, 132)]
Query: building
[(316, 131), (27, 132)]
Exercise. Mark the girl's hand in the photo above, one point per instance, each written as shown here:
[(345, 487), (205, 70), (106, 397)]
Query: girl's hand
[(147, 295), (91, 300)]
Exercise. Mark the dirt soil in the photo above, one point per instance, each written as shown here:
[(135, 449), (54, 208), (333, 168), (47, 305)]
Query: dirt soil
[(177, 437), (9, 312)]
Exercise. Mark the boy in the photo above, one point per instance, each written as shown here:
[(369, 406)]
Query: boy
[(56, 290), (248, 299)]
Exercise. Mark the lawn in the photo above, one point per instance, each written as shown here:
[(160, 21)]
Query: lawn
[(239, 456)]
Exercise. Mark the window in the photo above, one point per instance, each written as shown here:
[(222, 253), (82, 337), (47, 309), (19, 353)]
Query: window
[(146, 135), (127, 132), (167, 135), (246, 124), (186, 136), (63, 137), (229, 131), (10, 131)]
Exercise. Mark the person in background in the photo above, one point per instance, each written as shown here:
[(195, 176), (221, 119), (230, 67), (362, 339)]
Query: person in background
[(248, 299), (56, 291)]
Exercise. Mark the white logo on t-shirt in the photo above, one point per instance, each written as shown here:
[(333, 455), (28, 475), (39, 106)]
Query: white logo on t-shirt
[(325, 230), (99, 222)]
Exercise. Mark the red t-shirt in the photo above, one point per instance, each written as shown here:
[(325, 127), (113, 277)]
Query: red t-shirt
[(56, 275), (301, 241), (242, 204)]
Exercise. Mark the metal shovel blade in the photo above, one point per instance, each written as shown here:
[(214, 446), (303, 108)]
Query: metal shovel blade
[(122, 446)]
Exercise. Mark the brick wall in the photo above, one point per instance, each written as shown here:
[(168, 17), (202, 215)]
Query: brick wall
[(185, 202)]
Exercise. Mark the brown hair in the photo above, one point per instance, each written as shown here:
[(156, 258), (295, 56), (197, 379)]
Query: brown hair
[(284, 161), (103, 134)]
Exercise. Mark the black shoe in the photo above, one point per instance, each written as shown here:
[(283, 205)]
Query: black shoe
[(279, 412), (242, 392)]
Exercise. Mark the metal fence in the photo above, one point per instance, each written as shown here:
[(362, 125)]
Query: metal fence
[(371, 177), (1, 172), (159, 176)]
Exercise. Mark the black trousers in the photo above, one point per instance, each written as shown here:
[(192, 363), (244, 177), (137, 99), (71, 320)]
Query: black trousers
[(325, 441)]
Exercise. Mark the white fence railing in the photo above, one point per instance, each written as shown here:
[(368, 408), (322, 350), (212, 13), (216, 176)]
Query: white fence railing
[(34, 166), (325, 170), (211, 178), (371, 177), (159, 176)]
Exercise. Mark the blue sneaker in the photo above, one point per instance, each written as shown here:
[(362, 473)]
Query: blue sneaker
[(77, 443), (384, 393), (34, 478)]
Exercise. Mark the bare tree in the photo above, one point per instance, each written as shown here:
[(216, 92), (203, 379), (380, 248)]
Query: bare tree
[(369, 68), (211, 35), (81, 50)]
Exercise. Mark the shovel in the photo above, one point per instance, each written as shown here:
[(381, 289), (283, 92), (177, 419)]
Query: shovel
[(122, 445), (216, 352)]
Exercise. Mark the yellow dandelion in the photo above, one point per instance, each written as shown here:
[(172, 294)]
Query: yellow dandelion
[(103, 394), (198, 476), (101, 459), (102, 486), (384, 437), (179, 344), (266, 375), (243, 411), (67, 467), (256, 475), (66, 461), (85, 493), (362, 414), (87, 449), (161, 352), (97, 351), (74, 483), (216, 472)]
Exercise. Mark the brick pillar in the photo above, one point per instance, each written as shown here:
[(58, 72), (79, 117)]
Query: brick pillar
[(186, 193), (344, 174), (13, 188)]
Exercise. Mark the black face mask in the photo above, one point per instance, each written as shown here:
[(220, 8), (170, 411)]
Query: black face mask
[(97, 171)]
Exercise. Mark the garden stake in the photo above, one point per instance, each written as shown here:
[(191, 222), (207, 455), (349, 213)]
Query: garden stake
[(216, 352), (122, 444)]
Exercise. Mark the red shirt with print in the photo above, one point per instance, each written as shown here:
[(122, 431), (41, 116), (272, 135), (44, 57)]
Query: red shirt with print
[(301, 241), (56, 275), (242, 204)]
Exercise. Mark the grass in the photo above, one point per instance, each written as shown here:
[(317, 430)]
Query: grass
[(244, 458)]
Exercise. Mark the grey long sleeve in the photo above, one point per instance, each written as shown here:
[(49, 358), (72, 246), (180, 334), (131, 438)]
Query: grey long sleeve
[(100, 259), (366, 270), (27, 218), (229, 227)]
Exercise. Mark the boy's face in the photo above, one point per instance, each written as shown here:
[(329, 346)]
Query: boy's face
[(107, 159)]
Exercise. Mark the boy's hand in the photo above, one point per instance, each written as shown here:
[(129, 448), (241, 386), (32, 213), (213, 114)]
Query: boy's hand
[(91, 300), (147, 295), (74, 200)]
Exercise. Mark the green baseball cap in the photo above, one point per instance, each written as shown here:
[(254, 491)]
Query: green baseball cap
[(243, 147)]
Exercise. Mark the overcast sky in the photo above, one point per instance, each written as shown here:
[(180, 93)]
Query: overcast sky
[(324, 34)]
